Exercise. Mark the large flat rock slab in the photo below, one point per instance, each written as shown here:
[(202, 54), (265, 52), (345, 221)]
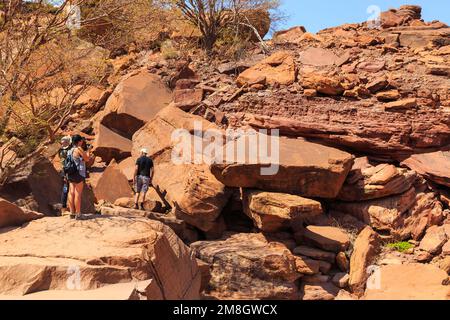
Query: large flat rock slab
[(304, 168), (435, 166), (409, 282), (47, 253)]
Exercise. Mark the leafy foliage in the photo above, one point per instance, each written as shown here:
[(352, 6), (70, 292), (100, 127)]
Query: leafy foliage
[(400, 246)]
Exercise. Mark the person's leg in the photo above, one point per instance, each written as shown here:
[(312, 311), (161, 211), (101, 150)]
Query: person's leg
[(71, 199), (145, 185), (138, 192), (65, 193), (78, 194), (136, 200)]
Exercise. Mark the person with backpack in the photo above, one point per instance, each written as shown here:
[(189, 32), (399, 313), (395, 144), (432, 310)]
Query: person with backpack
[(143, 173), (66, 143), (75, 169)]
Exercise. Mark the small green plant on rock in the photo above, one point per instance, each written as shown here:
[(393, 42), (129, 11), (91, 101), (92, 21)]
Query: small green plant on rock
[(400, 246)]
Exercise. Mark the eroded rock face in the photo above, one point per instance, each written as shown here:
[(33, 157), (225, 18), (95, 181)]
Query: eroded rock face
[(360, 131), (273, 212), (278, 68), (107, 250), (248, 266), (401, 16), (319, 291), (435, 166), (376, 182), (12, 215), (323, 84), (304, 168), (381, 214)]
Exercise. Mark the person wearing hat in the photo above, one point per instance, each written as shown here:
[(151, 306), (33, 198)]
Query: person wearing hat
[(66, 143), (76, 181), (142, 177)]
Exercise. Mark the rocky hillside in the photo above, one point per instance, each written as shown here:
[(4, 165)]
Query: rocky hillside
[(359, 208)]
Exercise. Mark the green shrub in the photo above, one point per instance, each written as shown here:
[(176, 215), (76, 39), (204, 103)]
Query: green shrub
[(400, 246)]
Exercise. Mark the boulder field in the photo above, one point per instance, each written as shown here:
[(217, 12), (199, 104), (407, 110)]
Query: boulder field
[(351, 202)]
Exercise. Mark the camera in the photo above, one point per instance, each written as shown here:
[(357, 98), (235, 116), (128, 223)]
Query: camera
[(86, 146)]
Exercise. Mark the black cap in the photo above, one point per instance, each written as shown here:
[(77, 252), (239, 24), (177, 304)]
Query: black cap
[(76, 138)]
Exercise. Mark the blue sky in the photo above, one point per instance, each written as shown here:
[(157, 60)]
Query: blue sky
[(316, 15)]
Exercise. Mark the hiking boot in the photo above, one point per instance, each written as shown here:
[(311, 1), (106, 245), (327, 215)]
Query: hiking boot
[(72, 216), (142, 207), (80, 217), (136, 206)]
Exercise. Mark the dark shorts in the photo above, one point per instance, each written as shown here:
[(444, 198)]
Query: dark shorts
[(142, 184), (76, 178)]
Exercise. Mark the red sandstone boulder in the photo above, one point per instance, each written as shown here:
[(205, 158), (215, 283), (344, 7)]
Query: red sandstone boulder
[(376, 182), (327, 238), (323, 84), (91, 101), (112, 184), (434, 240), (186, 99), (62, 254), (127, 166), (365, 249), (272, 212), (193, 192), (278, 68), (318, 291), (383, 214), (304, 168), (318, 57), (110, 145), (314, 253), (435, 166), (136, 100), (248, 266), (292, 35), (12, 215)]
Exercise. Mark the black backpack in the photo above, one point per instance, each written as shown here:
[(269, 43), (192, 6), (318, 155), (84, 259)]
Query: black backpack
[(70, 167)]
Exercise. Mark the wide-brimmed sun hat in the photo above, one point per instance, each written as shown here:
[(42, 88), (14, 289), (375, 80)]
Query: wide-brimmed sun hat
[(144, 150)]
